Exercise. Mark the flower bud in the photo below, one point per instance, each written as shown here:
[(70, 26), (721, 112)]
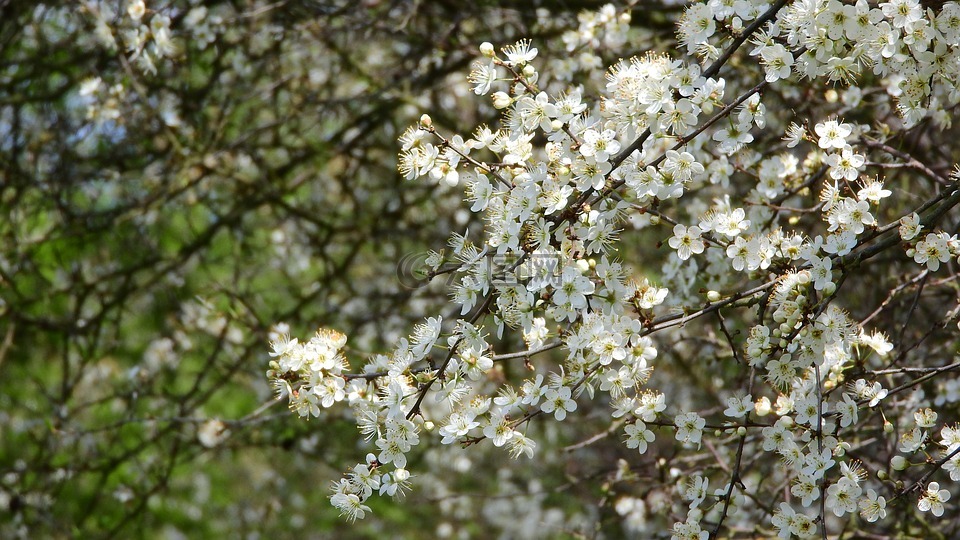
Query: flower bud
[(887, 427), (829, 288), (742, 431), (762, 406), (529, 71), (486, 49), (899, 463), (425, 120), (713, 296), (501, 100)]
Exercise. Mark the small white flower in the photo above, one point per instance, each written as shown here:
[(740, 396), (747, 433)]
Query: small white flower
[(499, 430), (933, 498), (911, 441), (873, 507), (689, 428), (136, 9), (873, 191), (686, 240), (520, 444), (832, 134), (738, 407), (933, 250), (925, 418), (909, 227), (520, 53), (558, 402), (638, 436), (349, 505)]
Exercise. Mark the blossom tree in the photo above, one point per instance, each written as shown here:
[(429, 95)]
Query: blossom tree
[(736, 252), (639, 269)]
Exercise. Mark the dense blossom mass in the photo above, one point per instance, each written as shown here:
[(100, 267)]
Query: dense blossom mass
[(565, 171)]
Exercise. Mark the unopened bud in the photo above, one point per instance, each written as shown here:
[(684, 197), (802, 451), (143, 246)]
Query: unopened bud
[(486, 49), (425, 120), (529, 71), (742, 431), (654, 220), (899, 463), (830, 288), (713, 296), (762, 406), (887, 427), (501, 100)]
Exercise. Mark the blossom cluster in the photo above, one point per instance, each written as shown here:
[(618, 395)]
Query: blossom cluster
[(561, 176)]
